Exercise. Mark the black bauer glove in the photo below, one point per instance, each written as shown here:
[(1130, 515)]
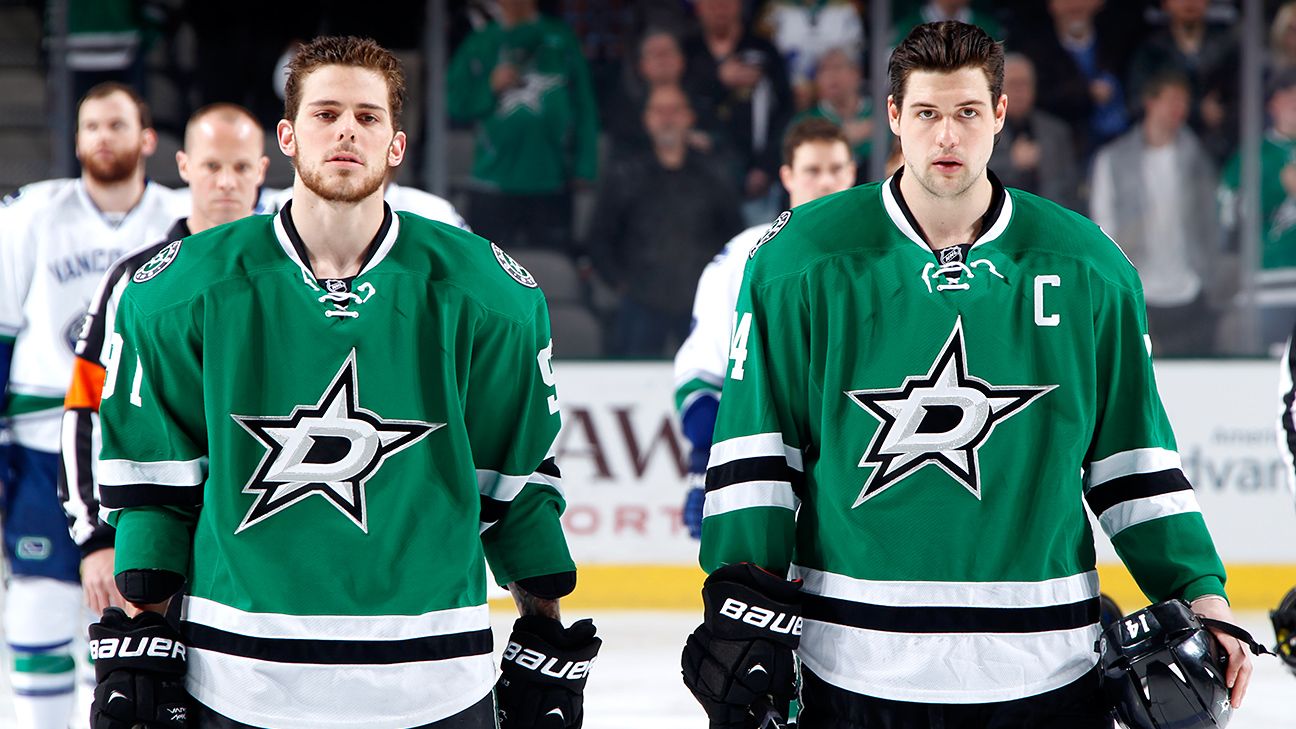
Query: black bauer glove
[(140, 668), (543, 674), (740, 659)]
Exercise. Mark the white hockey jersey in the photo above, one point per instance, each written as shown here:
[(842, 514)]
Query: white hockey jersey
[(703, 358), (54, 247)]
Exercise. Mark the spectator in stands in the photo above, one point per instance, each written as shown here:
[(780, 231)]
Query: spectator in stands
[(1282, 39), (842, 102), (1277, 209), (1208, 56), (934, 11), (1035, 151), (524, 82), (1079, 66), (743, 77), (1153, 191), (804, 31), (660, 62), (656, 222)]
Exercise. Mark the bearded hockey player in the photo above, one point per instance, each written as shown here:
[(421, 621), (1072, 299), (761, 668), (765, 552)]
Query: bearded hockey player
[(57, 239), (816, 162), (927, 377), (224, 164), (325, 421)]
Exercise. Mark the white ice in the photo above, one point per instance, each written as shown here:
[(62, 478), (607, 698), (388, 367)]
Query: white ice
[(636, 681)]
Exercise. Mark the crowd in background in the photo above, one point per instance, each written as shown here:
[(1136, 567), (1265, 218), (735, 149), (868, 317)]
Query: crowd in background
[(631, 138)]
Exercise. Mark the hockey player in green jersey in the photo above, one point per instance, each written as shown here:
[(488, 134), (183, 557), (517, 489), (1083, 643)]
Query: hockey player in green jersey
[(324, 422), (927, 378)]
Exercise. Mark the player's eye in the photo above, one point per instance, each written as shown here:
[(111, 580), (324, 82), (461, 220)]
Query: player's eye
[(368, 118), (968, 113), (213, 167), (926, 114), (325, 115), (243, 167)]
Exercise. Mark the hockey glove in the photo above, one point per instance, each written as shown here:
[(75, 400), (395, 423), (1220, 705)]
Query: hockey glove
[(693, 504), (543, 674), (140, 667), (740, 659)]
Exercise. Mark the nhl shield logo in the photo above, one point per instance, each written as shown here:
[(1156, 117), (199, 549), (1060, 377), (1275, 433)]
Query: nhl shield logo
[(513, 268), (335, 285), (158, 263)]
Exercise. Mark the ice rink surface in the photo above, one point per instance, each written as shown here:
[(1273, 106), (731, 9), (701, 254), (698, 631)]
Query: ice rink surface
[(636, 683)]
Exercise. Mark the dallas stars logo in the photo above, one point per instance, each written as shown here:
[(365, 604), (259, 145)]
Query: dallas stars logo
[(941, 418), (331, 449)]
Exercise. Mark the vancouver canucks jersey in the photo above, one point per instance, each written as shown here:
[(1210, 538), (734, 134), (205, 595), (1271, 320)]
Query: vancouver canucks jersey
[(327, 460), (702, 359), (914, 434), (55, 245)]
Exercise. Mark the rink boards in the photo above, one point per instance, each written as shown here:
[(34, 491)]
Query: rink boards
[(624, 462)]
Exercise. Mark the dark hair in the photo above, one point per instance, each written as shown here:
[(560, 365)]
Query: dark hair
[(108, 88), (1162, 80), (333, 50), (946, 47), (814, 129)]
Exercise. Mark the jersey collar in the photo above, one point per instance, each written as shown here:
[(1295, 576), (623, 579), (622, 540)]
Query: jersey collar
[(993, 223), (295, 248)]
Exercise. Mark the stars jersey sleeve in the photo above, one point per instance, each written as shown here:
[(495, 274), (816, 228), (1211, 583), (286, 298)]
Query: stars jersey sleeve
[(755, 472), (153, 462), (1133, 479), (511, 413)]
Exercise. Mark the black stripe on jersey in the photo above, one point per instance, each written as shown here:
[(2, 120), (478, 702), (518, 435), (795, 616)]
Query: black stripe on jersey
[(338, 652), (742, 470), (549, 467), (950, 619), (492, 510), (1135, 486), (82, 458), (127, 495)]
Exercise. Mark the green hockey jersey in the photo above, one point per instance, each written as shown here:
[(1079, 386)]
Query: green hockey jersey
[(913, 435), (328, 461)]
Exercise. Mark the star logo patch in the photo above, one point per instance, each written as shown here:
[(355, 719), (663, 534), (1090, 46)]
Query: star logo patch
[(330, 449), (941, 418)]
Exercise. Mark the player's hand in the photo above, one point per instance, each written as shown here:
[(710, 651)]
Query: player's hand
[(741, 655), (97, 581), (145, 688), (1239, 661), (543, 674), (505, 76), (693, 503)]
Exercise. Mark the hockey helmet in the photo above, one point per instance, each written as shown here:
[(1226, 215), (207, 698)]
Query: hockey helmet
[(1161, 668), (1284, 623)]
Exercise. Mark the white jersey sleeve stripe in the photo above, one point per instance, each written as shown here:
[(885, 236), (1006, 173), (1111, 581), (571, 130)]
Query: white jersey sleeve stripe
[(1128, 463), (335, 627), (761, 445), (1126, 514), (749, 495), (114, 472), (1058, 591)]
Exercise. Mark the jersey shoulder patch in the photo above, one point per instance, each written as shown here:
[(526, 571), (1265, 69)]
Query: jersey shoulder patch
[(782, 220), (158, 263), (513, 268)]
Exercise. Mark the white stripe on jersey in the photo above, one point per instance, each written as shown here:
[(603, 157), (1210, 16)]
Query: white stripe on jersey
[(335, 627), (1058, 591), (311, 696), (120, 472), (748, 495), (1128, 463), (969, 668), (1126, 514), (761, 445)]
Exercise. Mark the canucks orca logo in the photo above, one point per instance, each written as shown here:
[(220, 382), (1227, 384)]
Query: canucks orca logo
[(941, 418), (74, 329), (331, 448)]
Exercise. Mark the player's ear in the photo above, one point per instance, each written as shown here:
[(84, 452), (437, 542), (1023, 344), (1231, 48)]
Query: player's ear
[(785, 176), (286, 137), (396, 150), (263, 164), (893, 115), (148, 142), (1000, 112), (182, 164)]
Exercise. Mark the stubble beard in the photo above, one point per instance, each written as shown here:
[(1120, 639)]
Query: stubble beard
[(112, 171), (341, 189), (929, 183)]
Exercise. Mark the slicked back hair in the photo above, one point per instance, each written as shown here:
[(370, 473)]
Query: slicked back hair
[(108, 88), (946, 47), (333, 50), (813, 129)]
